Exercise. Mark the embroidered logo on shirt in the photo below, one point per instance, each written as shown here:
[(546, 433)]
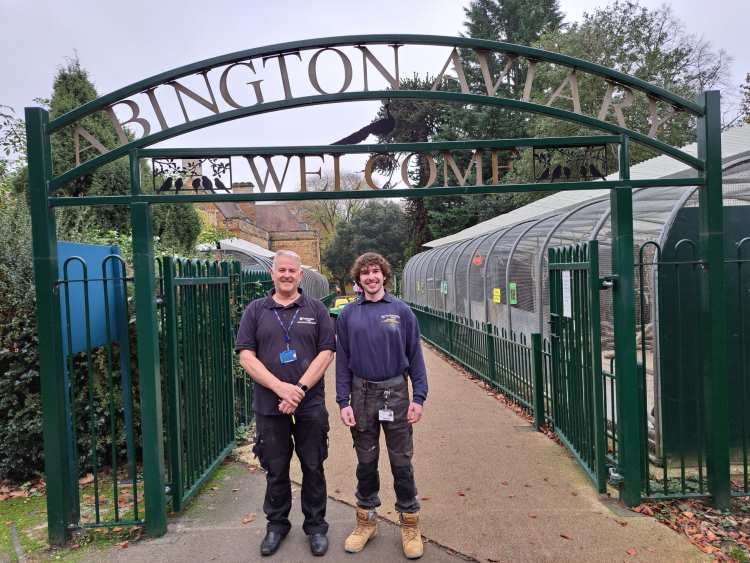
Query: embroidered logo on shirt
[(307, 321), (390, 319)]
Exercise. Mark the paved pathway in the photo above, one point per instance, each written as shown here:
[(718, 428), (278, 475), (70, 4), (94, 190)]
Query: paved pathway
[(492, 489)]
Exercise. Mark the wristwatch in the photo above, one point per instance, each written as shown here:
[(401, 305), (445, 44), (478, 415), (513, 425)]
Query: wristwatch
[(302, 386)]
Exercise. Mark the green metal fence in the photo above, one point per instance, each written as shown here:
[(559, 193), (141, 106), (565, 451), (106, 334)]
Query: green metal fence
[(504, 361), (672, 412), (105, 485), (575, 336), (205, 393), (199, 376)]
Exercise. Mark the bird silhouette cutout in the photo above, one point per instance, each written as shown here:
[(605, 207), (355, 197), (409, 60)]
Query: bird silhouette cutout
[(178, 184), (556, 172), (379, 128), (543, 176), (166, 186), (566, 172), (207, 184), (196, 184), (595, 172), (220, 185)]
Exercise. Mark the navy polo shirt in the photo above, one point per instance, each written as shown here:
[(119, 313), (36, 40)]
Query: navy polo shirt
[(378, 340), (311, 333)]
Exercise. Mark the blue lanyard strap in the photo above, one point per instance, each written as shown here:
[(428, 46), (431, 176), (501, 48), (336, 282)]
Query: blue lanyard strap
[(286, 329)]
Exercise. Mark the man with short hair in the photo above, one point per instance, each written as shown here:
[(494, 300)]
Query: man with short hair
[(378, 345), (285, 342)]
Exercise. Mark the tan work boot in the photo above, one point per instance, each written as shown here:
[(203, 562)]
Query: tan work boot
[(411, 537), (367, 527)]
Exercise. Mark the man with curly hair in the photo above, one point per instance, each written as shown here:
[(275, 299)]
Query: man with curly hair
[(378, 348)]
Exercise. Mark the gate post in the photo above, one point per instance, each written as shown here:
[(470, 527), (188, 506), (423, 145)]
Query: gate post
[(537, 369), (148, 361), (713, 302), (621, 202), (55, 415)]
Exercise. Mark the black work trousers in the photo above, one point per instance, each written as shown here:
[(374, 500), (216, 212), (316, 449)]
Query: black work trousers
[(276, 437), (367, 398)]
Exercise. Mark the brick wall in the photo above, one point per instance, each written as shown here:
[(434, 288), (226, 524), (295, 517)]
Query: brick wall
[(304, 243)]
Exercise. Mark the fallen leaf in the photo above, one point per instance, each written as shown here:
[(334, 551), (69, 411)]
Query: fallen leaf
[(632, 551), (575, 494), (86, 480), (248, 518), (621, 523), (123, 544), (337, 491), (566, 537), (503, 482), (532, 515), (461, 493), (235, 490), (425, 498)]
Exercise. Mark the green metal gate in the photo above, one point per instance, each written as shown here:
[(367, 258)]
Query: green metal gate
[(577, 384), (200, 378)]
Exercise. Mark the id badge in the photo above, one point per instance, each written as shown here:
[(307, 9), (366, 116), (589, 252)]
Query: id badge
[(288, 356), (385, 415)]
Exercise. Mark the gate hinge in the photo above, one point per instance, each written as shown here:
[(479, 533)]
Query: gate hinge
[(607, 282)]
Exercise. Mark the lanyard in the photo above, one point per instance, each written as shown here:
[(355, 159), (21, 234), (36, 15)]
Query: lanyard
[(286, 329)]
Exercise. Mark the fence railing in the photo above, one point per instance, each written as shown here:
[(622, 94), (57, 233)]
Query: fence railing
[(503, 360), (105, 486), (199, 375)]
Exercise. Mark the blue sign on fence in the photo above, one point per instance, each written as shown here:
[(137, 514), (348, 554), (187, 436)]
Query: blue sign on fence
[(93, 291)]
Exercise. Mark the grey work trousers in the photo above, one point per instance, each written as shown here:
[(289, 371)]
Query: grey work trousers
[(367, 398)]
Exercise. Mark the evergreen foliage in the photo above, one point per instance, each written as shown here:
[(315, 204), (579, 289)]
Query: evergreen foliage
[(377, 227), (20, 404), (650, 44), (177, 225)]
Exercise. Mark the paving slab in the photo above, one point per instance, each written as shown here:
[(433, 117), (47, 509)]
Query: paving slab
[(493, 489), (212, 529)]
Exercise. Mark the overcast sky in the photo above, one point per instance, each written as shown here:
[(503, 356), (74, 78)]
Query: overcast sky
[(122, 42)]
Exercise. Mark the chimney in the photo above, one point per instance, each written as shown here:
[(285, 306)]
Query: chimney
[(247, 207)]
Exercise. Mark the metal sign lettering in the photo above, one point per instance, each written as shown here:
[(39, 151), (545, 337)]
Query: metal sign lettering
[(285, 76)]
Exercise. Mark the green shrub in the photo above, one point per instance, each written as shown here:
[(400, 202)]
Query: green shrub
[(20, 402), (21, 455)]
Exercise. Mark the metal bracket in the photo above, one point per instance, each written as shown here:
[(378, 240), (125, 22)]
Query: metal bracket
[(615, 479), (607, 282)]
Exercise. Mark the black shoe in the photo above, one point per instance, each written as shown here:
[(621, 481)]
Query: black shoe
[(318, 544), (271, 542)]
